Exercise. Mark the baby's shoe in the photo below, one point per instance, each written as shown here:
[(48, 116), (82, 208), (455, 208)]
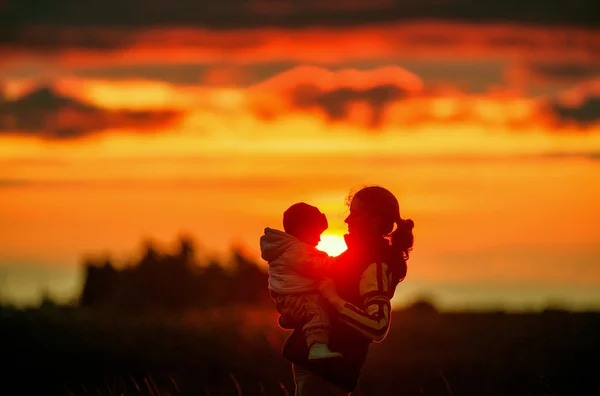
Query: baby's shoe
[(321, 351)]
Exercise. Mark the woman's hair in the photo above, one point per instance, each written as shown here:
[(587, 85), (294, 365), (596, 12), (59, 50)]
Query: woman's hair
[(381, 202)]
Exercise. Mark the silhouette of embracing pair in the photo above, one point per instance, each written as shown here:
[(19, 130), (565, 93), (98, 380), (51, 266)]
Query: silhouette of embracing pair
[(336, 306)]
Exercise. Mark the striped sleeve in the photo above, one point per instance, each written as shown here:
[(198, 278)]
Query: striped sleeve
[(374, 321)]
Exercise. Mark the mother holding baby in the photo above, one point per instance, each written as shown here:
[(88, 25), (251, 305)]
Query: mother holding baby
[(362, 281)]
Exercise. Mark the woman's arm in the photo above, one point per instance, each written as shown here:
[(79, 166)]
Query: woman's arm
[(374, 321)]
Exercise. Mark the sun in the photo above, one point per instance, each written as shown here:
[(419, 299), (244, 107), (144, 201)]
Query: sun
[(332, 244)]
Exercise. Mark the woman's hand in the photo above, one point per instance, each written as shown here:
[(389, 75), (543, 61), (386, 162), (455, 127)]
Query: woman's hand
[(327, 289)]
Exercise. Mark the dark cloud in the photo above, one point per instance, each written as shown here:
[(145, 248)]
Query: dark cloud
[(45, 113), (587, 113), (8, 183), (336, 103), (288, 13), (590, 155), (568, 72)]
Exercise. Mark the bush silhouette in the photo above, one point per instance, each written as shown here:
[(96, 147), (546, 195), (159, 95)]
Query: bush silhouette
[(176, 281)]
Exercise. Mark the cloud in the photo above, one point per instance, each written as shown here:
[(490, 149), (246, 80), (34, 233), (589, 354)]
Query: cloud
[(336, 104), (9, 183), (385, 97), (288, 13), (566, 71), (326, 79), (381, 99), (339, 94), (590, 155), (127, 46), (45, 113), (133, 94), (557, 72), (585, 114), (577, 106)]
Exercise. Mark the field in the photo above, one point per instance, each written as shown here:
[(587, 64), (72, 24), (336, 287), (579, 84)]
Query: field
[(233, 351)]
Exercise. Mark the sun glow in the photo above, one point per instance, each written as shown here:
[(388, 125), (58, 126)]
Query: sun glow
[(333, 245)]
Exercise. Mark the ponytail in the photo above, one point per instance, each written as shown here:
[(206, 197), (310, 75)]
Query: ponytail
[(402, 240)]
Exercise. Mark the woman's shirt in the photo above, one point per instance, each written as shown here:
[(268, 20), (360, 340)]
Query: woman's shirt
[(376, 290)]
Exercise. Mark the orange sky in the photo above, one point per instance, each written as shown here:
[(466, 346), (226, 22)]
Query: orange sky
[(501, 177)]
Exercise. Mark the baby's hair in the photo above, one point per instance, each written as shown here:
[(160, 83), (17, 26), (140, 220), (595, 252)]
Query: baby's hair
[(301, 217)]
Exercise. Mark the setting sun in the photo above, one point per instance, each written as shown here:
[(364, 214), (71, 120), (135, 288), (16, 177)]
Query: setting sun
[(333, 245)]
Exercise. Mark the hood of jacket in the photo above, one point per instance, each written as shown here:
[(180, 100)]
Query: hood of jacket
[(274, 243)]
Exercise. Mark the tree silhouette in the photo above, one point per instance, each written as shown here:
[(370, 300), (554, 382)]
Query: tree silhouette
[(175, 281)]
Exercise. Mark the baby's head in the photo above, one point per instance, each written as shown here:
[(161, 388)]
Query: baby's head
[(305, 222)]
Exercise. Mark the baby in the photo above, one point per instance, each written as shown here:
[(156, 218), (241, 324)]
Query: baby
[(295, 272)]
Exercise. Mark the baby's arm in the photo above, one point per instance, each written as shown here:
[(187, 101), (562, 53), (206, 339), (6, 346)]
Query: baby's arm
[(311, 262), (319, 262)]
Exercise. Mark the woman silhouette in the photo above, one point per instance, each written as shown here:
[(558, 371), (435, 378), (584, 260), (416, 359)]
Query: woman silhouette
[(362, 284)]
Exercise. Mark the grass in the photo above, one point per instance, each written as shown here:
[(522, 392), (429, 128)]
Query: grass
[(236, 352)]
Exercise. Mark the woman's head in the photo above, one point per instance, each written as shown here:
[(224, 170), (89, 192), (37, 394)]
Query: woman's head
[(374, 212)]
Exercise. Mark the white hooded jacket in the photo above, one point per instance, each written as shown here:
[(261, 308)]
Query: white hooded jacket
[(294, 266)]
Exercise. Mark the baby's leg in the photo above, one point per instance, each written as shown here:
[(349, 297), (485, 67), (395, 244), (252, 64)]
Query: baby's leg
[(316, 329), (317, 326), (287, 305)]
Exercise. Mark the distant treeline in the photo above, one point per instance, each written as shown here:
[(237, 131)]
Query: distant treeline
[(173, 281)]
